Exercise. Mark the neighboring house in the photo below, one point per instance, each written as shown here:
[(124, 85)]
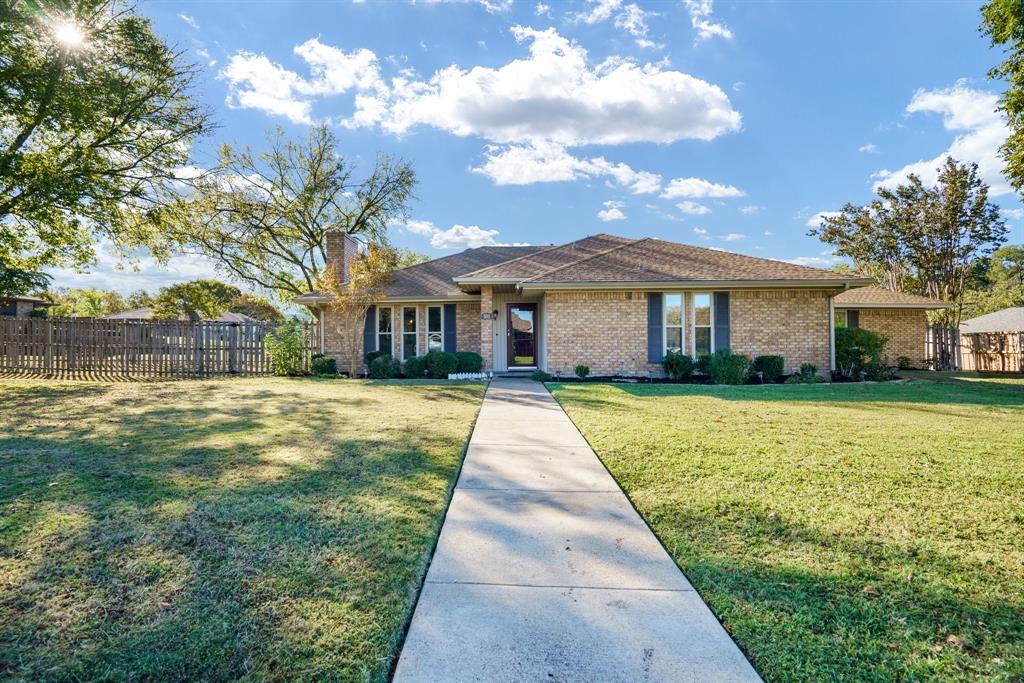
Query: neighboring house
[(614, 304), (901, 318), (147, 314), (22, 306), (994, 341)]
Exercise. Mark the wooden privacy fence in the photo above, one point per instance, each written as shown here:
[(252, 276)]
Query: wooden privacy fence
[(993, 351), (145, 348)]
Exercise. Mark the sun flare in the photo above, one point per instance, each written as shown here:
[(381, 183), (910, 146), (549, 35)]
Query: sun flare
[(69, 34)]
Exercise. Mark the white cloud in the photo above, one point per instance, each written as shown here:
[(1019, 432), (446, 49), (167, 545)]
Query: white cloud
[(190, 20), (612, 212), (600, 10), (869, 148), (734, 236), (545, 162), (700, 18), (981, 130), (112, 272), (492, 6), (456, 237), (738, 86), (751, 210), (555, 95), (463, 236), (254, 82), (1015, 214), (698, 188), (768, 233), (816, 220), (633, 21), (542, 10), (692, 208), (700, 231), (816, 261)]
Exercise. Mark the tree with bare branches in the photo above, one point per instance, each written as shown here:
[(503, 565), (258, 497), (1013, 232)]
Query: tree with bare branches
[(263, 217)]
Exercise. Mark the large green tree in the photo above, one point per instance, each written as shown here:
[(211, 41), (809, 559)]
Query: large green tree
[(1000, 285), (195, 300), (96, 123), (1003, 22), (85, 302), (263, 217), (923, 240)]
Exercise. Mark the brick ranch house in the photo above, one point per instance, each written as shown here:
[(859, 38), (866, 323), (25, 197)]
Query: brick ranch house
[(617, 305)]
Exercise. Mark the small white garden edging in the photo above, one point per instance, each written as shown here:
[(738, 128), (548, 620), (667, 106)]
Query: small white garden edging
[(470, 375)]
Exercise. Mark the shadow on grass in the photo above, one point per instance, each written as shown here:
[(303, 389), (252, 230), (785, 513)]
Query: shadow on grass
[(860, 609), (967, 393), (255, 536)]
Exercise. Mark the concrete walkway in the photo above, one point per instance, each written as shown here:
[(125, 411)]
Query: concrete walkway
[(544, 572)]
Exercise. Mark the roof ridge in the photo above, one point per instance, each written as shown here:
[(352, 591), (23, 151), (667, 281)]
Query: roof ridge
[(747, 256), (587, 258), (541, 251)]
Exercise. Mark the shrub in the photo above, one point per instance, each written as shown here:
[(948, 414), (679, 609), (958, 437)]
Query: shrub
[(440, 364), (878, 373), (469, 361), (904, 362), (38, 313), (371, 355), (384, 367), (286, 345), (770, 367), (677, 365), (726, 367), (857, 349), (808, 375), (582, 371), (322, 366), (808, 370), (415, 367), (540, 376), (702, 365)]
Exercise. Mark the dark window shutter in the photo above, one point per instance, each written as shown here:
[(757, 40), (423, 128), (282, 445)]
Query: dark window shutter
[(655, 337), (721, 320), (449, 328), (853, 318), (369, 333)]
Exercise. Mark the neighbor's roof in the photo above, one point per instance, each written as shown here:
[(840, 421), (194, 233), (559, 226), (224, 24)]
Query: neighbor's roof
[(880, 297), (1006, 320), (30, 299), (435, 279), (654, 261), (147, 314)]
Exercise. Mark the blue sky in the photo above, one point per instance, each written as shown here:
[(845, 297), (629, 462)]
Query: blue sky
[(730, 125)]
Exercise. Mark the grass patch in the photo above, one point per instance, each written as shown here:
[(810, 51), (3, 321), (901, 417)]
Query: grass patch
[(847, 532), (219, 530)]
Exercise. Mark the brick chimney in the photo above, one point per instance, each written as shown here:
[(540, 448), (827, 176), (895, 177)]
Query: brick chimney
[(341, 248)]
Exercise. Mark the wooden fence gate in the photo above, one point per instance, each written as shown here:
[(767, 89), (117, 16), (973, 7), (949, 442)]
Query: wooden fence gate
[(143, 348)]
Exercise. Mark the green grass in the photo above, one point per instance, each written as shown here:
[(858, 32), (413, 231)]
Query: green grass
[(841, 533), (266, 529)]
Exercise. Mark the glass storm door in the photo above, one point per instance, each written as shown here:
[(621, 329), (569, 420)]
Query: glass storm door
[(522, 335)]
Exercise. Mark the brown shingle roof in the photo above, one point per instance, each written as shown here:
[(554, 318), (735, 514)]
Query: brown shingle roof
[(880, 297), (548, 258), (653, 260)]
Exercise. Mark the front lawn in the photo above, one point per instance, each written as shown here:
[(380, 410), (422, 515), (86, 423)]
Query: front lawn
[(848, 532), (218, 530)]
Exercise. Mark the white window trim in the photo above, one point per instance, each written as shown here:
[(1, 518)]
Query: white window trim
[(376, 326), (417, 332), (441, 331), (664, 319), (693, 322)]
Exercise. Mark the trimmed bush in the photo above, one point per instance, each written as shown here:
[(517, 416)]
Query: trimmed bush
[(440, 364), (677, 365), (322, 366), (582, 371), (384, 367), (371, 355), (770, 367), (726, 367), (286, 344), (702, 366), (540, 376), (808, 375), (904, 362), (808, 370), (415, 367), (469, 361), (857, 350)]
